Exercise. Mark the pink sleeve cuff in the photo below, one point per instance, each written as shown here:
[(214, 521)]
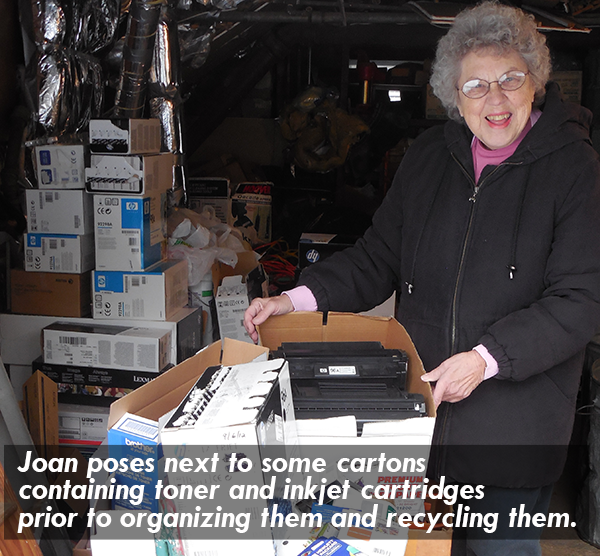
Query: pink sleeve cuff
[(491, 365), (302, 299)]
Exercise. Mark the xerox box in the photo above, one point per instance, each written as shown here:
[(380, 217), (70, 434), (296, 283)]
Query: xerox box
[(154, 294), (115, 347), (231, 302), (81, 425), (59, 211), (59, 253), (129, 231), (131, 174), (60, 166), (125, 136), (313, 248)]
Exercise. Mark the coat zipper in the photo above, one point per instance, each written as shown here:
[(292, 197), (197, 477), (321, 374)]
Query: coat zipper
[(472, 200)]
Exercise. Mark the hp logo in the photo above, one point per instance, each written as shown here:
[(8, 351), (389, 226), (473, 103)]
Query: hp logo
[(312, 256), (131, 206)]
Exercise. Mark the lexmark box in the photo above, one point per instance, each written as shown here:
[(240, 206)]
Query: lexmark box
[(59, 253), (115, 347), (59, 211), (130, 175), (125, 136), (60, 166), (210, 192), (232, 301), (136, 438), (129, 231), (154, 294)]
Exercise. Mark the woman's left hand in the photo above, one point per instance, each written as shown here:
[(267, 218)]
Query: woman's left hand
[(456, 377)]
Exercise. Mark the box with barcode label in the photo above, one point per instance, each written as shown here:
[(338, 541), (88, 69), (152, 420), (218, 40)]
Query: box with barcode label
[(60, 166), (130, 175), (135, 439), (154, 294), (113, 347), (70, 254), (130, 231), (82, 425), (59, 211)]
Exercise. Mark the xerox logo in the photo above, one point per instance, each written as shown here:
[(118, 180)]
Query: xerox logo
[(312, 256)]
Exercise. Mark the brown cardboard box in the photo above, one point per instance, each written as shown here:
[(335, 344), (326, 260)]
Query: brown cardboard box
[(348, 327), (155, 398), (40, 407), (50, 293)]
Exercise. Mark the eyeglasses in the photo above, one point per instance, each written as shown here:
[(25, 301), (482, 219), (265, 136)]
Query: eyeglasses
[(478, 88)]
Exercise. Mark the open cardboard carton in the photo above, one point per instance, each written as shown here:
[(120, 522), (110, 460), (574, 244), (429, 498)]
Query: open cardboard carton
[(347, 327), (159, 396)]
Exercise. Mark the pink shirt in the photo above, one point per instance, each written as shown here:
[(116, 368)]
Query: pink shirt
[(303, 299)]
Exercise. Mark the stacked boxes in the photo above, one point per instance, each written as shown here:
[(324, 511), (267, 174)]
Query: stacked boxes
[(59, 238)]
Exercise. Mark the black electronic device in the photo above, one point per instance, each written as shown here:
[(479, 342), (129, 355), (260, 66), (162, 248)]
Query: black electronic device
[(331, 379)]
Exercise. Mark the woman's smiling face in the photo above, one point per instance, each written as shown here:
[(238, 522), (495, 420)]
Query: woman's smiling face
[(499, 117)]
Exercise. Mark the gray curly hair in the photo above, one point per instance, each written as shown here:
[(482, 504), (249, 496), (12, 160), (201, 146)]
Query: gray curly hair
[(489, 25)]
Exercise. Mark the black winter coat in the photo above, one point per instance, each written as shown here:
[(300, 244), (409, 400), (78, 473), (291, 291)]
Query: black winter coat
[(512, 262)]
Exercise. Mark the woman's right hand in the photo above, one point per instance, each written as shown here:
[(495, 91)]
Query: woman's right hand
[(261, 309)]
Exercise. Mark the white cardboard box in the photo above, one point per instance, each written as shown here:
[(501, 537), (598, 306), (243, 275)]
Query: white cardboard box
[(21, 335), (232, 301), (130, 174), (82, 424), (60, 166), (112, 347), (59, 211), (154, 294), (125, 136), (59, 253), (129, 231), (250, 407)]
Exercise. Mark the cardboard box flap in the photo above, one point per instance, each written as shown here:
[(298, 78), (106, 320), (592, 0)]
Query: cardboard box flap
[(167, 390)]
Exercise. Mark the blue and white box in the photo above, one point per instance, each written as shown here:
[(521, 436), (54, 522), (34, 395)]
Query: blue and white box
[(60, 166), (72, 254), (130, 231), (157, 293), (135, 438)]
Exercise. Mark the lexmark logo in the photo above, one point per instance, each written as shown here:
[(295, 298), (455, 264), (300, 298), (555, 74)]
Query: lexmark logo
[(141, 378)]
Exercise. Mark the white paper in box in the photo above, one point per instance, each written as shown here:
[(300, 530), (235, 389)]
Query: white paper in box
[(60, 166), (59, 211), (129, 231), (154, 294), (59, 253), (113, 347)]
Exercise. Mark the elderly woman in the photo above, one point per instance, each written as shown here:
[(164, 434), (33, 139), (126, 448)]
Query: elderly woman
[(491, 235)]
